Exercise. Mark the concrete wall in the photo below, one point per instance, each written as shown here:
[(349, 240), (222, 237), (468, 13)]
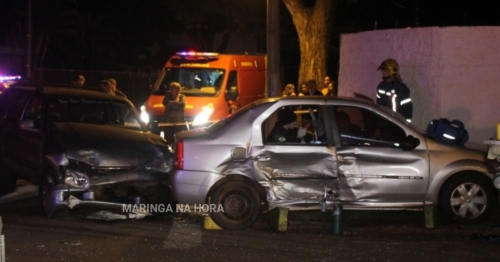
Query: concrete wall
[(452, 72)]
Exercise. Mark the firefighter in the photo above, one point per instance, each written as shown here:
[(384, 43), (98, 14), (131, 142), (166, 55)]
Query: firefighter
[(392, 92)]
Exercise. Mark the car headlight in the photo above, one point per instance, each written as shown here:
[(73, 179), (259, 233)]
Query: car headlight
[(76, 179), (163, 167), (144, 115), (204, 115)]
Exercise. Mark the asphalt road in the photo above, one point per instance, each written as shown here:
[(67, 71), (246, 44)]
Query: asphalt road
[(368, 236)]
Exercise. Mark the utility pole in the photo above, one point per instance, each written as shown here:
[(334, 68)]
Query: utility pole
[(273, 48), (417, 13), (28, 50)]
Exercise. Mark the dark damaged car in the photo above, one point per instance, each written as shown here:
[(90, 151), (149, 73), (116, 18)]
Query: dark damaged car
[(83, 149), (353, 151)]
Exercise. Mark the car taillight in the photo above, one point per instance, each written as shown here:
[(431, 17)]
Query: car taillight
[(179, 155)]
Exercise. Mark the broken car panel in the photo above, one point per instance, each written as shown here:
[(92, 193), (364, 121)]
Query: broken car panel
[(85, 149), (357, 152)]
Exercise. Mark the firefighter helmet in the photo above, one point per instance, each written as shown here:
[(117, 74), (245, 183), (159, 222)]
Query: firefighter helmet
[(391, 65)]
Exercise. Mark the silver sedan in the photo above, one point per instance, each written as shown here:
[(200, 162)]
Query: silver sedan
[(330, 149)]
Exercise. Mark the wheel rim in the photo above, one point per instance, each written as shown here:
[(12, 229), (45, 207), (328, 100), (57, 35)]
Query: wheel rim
[(468, 200), (235, 205)]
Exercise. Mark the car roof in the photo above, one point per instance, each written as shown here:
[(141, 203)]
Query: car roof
[(326, 98), (66, 91), (342, 99), (297, 100)]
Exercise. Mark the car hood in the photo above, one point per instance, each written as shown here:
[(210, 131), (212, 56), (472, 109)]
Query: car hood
[(110, 146)]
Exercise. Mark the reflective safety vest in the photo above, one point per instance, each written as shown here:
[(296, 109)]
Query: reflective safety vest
[(395, 95)]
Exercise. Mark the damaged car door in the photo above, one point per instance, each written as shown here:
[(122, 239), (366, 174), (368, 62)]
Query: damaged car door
[(296, 172), (381, 162)]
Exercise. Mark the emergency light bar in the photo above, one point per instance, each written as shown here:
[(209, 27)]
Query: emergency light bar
[(197, 54), (9, 78)]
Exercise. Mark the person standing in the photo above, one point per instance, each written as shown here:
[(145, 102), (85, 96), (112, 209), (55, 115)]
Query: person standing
[(289, 90), (328, 90), (118, 92), (78, 81), (326, 81), (312, 89), (174, 103), (303, 89), (106, 87), (392, 92)]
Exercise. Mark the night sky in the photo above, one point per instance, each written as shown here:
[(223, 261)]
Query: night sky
[(120, 35)]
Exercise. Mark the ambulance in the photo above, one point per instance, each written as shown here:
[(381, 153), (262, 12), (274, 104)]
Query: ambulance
[(214, 85)]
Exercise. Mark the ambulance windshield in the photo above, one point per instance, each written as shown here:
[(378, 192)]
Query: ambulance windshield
[(194, 81)]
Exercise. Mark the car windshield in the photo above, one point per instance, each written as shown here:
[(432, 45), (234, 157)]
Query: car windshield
[(93, 111), (194, 81)]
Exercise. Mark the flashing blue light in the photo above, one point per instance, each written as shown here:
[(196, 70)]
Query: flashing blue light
[(9, 78), (191, 53)]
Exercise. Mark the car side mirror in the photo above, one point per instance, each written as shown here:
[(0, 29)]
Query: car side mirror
[(409, 143), (154, 127)]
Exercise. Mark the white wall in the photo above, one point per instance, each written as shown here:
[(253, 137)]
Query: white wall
[(452, 72)]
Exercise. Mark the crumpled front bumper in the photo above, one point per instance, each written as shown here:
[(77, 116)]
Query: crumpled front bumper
[(63, 196)]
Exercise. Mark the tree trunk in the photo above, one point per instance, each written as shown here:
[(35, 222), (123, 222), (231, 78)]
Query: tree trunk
[(313, 27)]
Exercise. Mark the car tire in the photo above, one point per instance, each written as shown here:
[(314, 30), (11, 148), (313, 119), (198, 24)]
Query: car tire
[(240, 204), (46, 182), (7, 180), (467, 198)]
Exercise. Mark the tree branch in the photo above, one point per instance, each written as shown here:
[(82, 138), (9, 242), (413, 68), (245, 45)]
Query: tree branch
[(297, 11)]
